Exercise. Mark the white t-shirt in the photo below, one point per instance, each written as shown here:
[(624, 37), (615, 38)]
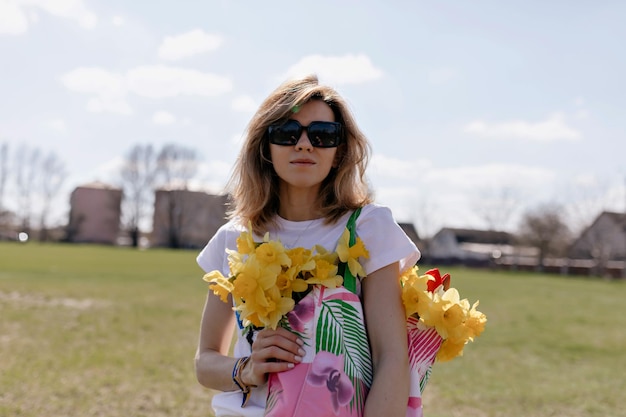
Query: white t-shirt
[(382, 236)]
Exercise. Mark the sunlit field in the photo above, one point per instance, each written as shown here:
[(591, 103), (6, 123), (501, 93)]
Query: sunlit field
[(101, 331)]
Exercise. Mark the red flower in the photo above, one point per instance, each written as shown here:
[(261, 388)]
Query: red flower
[(439, 280)]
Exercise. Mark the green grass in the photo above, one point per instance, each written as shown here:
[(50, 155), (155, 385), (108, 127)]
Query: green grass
[(100, 331)]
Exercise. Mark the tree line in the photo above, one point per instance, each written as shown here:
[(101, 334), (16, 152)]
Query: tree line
[(33, 179), (146, 169)]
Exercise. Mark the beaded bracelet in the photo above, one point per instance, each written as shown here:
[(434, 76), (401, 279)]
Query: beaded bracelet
[(245, 388)]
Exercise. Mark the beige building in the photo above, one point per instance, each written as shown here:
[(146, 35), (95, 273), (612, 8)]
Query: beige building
[(95, 210), (604, 240), (186, 219)]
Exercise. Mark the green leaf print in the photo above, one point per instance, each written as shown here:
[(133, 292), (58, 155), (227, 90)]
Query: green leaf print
[(341, 331)]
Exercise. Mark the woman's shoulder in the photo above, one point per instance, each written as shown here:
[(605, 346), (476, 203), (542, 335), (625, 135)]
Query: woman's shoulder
[(375, 210), (212, 255), (375, 219)]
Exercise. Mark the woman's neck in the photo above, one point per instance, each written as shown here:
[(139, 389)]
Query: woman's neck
[(298, 205)]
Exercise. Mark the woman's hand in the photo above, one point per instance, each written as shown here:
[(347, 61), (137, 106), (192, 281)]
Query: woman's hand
[(272, 351)]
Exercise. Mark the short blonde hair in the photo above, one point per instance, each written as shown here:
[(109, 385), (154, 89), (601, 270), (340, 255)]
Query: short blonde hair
[(254, 184)]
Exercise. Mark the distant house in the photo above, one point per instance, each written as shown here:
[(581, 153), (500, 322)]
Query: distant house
[(94, 214), (469, 247), (604, 240), (186, 219)]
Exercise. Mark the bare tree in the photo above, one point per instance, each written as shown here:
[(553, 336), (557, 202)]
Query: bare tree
[(26, 168), (6, 216), (496, 207), (4, 172), (590, 199), (138, 173), (177, 166), (544, 229), (53, 175)]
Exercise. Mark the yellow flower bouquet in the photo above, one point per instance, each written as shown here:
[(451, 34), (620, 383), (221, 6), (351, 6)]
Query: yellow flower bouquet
[(266, 279), (427, 299)]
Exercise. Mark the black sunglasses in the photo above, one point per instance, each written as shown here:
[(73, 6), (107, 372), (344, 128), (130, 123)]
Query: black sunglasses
[(321, 134)]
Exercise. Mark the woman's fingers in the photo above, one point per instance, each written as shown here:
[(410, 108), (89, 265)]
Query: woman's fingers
[(279, 344), (273, 351)]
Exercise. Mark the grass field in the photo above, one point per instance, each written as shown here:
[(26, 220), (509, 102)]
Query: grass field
[(101, 331)]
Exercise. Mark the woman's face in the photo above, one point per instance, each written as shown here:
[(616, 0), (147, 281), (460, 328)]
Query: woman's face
[(303, 166)]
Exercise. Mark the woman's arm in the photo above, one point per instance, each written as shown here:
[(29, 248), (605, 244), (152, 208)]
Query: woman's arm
[(213, 366), (272, 351), (386, 326)]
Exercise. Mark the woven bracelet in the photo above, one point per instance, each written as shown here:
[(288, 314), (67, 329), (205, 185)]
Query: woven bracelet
[(245, 388)]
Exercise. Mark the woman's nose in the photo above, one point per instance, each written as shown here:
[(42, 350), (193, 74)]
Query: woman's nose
[(304, 142)]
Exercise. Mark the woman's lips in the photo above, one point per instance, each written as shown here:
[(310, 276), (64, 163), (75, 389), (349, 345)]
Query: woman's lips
[(303, 162)]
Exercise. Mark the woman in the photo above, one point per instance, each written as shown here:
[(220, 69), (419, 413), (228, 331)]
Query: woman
[(300, 176)]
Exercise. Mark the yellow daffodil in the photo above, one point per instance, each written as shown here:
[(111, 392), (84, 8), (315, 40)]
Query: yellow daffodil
[(249, 312), (426, 298), (415, 296), (349, 254), (450, 350), (322, 253), (253, 280), (245, 242), (301, 259), (220, 285), (460, 334), (287, 282), (280, 306), (446, 312), (272, 309), (416, 301), (325, 274), (476, 321), (271, 255)]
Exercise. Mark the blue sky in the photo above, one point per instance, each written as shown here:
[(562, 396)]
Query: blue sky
[(475, 110)]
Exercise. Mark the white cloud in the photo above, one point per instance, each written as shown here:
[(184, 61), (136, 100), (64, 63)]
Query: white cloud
[(162, 81), (347, 69), (174, 48), (437, 196), (163, 118), (491, 176), (385, 167), (109, 91), (118, 20), (553, 128), (94, 80), (244, 104), (13, 20), (69, 9), (391, 172)]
